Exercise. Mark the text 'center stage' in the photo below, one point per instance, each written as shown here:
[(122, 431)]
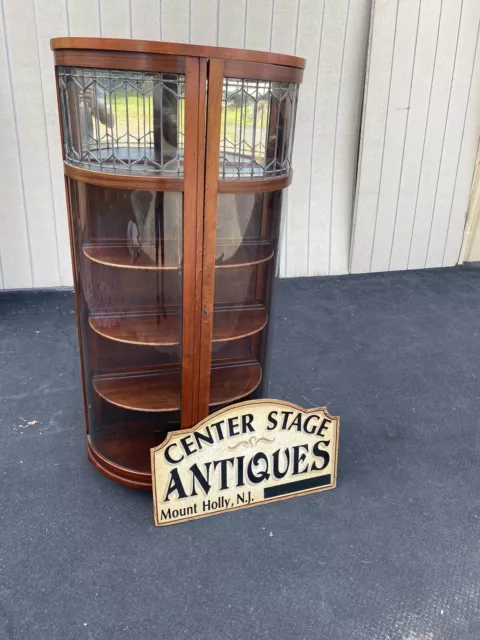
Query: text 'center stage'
[(244, 455)]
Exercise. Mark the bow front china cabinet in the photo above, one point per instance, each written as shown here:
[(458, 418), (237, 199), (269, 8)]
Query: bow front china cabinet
[(175, 159)]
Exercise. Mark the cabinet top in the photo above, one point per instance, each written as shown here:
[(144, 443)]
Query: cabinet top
[(177, 49)]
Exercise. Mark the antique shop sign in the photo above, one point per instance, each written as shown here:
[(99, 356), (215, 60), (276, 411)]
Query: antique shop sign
[(244, 455)]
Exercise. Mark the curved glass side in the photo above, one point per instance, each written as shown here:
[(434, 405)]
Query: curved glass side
[(125, 122), (257, 128), (248, 228), (128, 272)]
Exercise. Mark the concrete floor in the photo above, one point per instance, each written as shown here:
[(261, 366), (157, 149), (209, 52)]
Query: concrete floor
[(392, 553)]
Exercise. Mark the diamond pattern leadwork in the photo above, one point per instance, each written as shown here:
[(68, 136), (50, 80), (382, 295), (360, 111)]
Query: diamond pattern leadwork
[(123, 121), (257, 128)]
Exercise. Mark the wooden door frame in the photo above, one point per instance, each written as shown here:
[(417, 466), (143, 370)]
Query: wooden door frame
[(212, 160), (194, 160)]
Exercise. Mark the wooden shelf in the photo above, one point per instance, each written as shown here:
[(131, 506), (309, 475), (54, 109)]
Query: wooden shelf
[(118, 255), (155, 390), (165, 330), (230, 382), (233, 324), (142, 329), (159, 390), (246, 254)]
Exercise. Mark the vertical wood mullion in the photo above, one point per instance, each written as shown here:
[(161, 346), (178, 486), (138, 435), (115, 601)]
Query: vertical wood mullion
[(201, 142), (214, 111), (190, 265)]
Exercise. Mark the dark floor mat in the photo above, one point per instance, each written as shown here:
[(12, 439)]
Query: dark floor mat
[(392, 554)]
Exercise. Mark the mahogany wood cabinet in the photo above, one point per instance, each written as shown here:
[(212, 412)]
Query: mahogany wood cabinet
[(175, 158)]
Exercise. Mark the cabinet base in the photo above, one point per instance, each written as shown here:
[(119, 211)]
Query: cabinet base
[(120, 474)]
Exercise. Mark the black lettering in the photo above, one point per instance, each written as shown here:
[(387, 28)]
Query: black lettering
[(233, 424), (218, 427), (175, 484), (168, 456), (272, 420), (200, 478), (285, 418), (254, 462), (223, 470), (298, 458), (201, 437), (247, 419), (305, 424), (240, 478), (188, 445), (276, 467), (323, 426), (320, 453), (296, 422)]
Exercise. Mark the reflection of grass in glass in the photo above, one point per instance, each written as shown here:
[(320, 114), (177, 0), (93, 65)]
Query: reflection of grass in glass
[(243, 117), (140, 116), (140, 120)]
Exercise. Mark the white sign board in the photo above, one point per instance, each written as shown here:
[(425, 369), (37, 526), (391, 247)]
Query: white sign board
[(244, 455)]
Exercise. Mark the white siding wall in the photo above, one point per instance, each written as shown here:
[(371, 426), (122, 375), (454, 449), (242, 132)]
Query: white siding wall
[(419, 134), (331, 34)]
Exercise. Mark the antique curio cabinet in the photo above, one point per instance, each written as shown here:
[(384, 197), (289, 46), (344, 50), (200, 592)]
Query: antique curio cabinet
[(175, 159)]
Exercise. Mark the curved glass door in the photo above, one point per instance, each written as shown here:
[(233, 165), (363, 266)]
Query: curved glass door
[(129, 288), (245, 263), (253, 121), (120, 130)]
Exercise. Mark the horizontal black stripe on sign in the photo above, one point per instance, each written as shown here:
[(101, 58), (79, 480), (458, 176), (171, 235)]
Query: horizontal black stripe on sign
[(298, 485)]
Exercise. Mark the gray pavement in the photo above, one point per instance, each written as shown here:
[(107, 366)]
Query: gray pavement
[(392, 554)]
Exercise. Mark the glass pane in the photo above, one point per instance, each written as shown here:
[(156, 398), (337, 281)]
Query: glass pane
[(123, 121), (245, 266), (128, 262), (257, 128)]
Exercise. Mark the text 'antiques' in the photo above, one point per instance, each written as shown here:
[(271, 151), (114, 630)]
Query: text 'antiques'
[(247, 454)]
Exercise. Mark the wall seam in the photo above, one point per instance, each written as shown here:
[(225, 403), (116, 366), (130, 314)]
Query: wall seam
[(385, 131), (405, 133), (67, 16), (314, 117), (285, 228), (461, 145), (299, 2), (271, 25), (332, 186), (14, 113), (48, 143), (444, 133), (99, 17), (161, 20), (361, 136), (190, 21), (425, 134), (245, 25)]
